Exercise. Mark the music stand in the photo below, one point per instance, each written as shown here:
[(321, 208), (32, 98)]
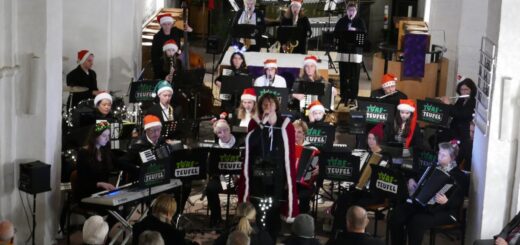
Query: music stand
[(287, 33), (244, 31), (189, 164), (376, 111), (280, 93), (350, 39), (388, 182), (235, 85), (322, 136), (190, 81), (141, 91), (308, 88), (436, 113)]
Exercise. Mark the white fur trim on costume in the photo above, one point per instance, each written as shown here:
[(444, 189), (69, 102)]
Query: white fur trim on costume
[(152, 124), (317, 108), (296, 3), (247, 97), (170, 46), (166, 19), (270, 65), (287, 167), (85, 57), (102, 96), (246, 168), (405, 107), (164, 89), (310, 61), (388, 84), (288, 219)]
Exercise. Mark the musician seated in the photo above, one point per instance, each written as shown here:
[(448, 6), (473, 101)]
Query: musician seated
[(418, 219), (160, 220), (357, 221), (238, 68), (403, 129), (95, 162), (164, 109), (251, 16), (270, 78), (388, 92), (169, 61), (247, 108), (294, 16), (103, 103), (306, 186), (316, 113), (245, 221), (309, 73)]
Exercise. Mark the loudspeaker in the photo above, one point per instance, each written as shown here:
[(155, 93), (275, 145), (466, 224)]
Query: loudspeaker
[(357, 122), (213, 45), (35, 177)]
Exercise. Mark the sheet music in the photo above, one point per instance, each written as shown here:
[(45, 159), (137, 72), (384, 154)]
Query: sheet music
[(444, 189), (147, 156), (226, 72), (330, 5)]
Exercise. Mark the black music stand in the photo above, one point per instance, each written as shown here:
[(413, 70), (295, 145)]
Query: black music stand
[(244, 31), (287, 33), (376, 111), (308, 88), (436, 114), (235, 85), (337, 167), (352, 40), (322, 136), (141, 91), (226, 161), (389, 183), (190, 81)]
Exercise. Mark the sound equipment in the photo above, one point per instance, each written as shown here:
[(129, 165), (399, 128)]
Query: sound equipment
[(35, 177), (213, 45)]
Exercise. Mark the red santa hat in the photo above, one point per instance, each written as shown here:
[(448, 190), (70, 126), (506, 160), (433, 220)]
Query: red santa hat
[(316, 106), (248, 94), (170, 44), (296, 2), (83, 56), (270, 63), (165, 18), (460, 78), (388, 80), (151, 121), (102, 96), (406, 105), (378, 132), (311, 59)]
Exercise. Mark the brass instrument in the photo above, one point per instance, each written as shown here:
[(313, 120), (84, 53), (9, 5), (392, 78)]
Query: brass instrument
[(172, 67), (289, 46)]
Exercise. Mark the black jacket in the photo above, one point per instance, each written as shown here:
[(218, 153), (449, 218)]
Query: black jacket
[(391, 99), (157, 44), (294, 240), (509, 227), (258, 237), (90, 172), (131, 161), (342, 26), (462, 114), (78, 77), (305, 31), (455, 197), (169, 234), (355, 239)]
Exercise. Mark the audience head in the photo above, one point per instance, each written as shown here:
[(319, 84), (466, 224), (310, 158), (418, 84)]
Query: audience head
[(357, 219), (467, 87), (164, 91), (246, 215), (448, 152), (85, 59), (164, 207), (316, 111), (300, 130), (351, 10), (151, 238), (388, 83), (303, 226), (270, 68), (238, 238), (103, 102), (268, 103), (6, 232), (237, 60), (95, 230), (152, 127)]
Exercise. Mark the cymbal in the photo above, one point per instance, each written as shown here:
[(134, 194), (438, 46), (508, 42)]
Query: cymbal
[(75, 89)]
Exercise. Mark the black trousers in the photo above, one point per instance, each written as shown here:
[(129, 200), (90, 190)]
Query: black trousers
[(413, 221), (181, 195), (349, 79), (305, 196), (273, 223), (212, 189)]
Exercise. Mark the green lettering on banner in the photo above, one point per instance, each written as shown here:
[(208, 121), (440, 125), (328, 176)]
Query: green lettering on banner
[(185, 164), (229, 158), (336, 162), (314, 132), (385, 177)]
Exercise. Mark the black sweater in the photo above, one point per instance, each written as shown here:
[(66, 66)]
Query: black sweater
[(342, 26), (304, 31), (157, 44), (78, 77)]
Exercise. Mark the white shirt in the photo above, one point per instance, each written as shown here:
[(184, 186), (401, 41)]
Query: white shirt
[(245, 122), (165, 112), (227, 145), (262, 81)]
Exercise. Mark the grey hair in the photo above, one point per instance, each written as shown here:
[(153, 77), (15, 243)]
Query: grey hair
[(151, 238), (453, 149)]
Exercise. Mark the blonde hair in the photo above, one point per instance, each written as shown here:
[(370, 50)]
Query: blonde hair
[(164, 204), (246, 213), (219, 124), (304, 75), (301, 124), (242, 111)]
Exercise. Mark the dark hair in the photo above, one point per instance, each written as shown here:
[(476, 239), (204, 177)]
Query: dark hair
[(470, 84), (352, 4), (398, 121), (106, 155), (243, 65), (267, 96)]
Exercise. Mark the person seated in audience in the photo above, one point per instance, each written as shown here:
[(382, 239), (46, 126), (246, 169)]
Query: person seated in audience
[(95, 230), (238, 238), (270, 78), (388, 92), (357, 222), (412, 219), (294, 16), (6, 232), (160, 220), (151, 238), (316, 113), (309, 73), (306, 186), (246, 223), (403, 130), (95, 162), (302, 231), (510, 234), (249, 15), (247, 108), (238, 68)]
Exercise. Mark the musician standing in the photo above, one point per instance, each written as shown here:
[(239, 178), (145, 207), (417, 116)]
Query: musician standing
[(270, 78), (167, 32), (293, 16), (251, 16), (418, 219), (349, 67), (388, 91), (83, 76)]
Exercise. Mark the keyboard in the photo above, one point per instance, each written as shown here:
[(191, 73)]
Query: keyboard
[(128, 194)]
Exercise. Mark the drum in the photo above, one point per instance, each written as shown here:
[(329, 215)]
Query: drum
[(119, 109), (81, 113)]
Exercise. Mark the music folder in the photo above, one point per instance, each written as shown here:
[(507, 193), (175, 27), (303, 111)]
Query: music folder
[(141, 91), (155, 172), (308, 88), (338, 166), (321, 135), (244, 31), (225, 161), (189, 163), (376, 111), (235, 84), (433, 112), (388, 182)]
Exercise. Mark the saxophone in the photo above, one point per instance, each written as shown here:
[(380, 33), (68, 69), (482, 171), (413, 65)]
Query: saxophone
[(172, 67)]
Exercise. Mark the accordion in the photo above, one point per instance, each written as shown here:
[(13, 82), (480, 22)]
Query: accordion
[(433, 181)]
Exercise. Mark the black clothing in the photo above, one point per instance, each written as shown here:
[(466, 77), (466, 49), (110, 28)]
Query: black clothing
[(260, 23), (258, 237), (515, 222), (90, 172), (342, 26), (355, 239), (229, 105), (165, 67), (390, 133), (418, 219), (157, 111), (294, 240), (78, 77), (157, 44), (304, 32), (169, 234), (391, 99)]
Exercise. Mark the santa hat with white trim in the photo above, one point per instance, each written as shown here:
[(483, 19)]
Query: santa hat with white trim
[(316, 106), (160, 87), (406, 105), (311, 59), (151, 121), (270, 63), (296, 2), (102, 96), (388, 80), (170, 44), (460, 78), (165, 18), (248, 94), (83, 56)]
